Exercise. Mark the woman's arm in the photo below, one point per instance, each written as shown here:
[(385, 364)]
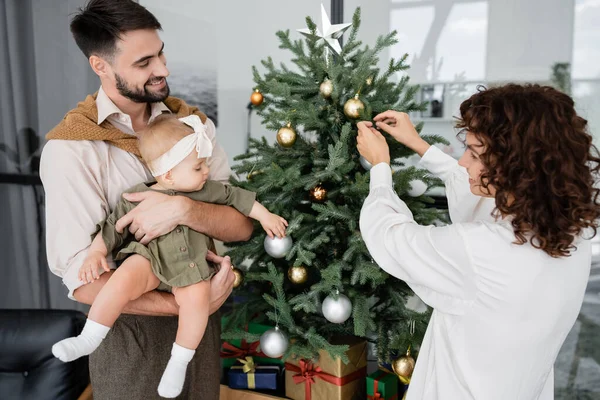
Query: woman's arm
[(433, 261), (463, 205)]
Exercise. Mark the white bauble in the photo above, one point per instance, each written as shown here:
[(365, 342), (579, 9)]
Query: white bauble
[(278, 247), (337, 311), (417, 188), (274, 343)]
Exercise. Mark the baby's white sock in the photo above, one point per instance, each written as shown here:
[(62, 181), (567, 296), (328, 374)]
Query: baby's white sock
[(173, 378), (72, 348)]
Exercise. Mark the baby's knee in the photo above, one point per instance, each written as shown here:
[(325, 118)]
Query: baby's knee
[(136, 264), (197, 293)]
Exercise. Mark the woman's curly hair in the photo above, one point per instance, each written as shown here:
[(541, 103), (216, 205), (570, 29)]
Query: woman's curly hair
[(540, 159)]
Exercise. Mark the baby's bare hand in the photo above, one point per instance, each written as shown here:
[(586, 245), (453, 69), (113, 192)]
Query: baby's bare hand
[(274, 225), (89, 271)]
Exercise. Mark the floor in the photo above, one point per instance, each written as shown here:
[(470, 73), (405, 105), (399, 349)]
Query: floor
[(577, 368)]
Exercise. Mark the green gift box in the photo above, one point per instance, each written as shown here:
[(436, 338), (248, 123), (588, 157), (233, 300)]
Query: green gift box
[(382, 385), (234, 349)]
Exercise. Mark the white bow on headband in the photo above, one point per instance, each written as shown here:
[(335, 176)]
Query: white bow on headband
[(198, 140)]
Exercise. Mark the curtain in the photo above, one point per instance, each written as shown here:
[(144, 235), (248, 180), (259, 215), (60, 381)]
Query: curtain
[(42, 75)]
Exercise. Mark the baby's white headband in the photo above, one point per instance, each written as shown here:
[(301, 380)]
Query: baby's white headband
[(198, 140)]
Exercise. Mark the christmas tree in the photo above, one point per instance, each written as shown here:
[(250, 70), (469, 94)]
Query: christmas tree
[(314, 177)]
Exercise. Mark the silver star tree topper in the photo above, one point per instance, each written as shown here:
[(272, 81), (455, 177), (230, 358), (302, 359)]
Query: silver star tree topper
[(328, 33)]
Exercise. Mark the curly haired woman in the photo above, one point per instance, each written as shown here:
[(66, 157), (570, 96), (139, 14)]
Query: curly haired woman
[(506, 280)]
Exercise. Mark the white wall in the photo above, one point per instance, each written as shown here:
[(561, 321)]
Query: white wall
[(375, 18), (523, 39), (63, 74), (246, 36), (526, 37)]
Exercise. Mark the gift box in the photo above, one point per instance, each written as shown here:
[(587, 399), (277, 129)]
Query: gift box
[(234, 349), (251, 376), (227, 393), (329, 378), (382, 385)]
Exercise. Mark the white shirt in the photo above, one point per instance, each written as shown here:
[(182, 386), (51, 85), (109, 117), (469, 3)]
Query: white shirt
[(501, 311), (83, 181)]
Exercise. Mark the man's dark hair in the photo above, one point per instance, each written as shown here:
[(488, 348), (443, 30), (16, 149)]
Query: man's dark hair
[(97, 26)]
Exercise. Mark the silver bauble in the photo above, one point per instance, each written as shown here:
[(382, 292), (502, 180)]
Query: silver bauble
[(417, 188), (278, 247), (365, 164), (337, 311), (273, 343)]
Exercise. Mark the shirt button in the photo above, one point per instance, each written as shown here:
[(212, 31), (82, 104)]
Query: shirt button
[(192, 264), (178, 230), (182, 249)]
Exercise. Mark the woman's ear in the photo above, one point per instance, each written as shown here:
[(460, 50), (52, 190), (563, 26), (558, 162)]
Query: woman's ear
[(168, 178)]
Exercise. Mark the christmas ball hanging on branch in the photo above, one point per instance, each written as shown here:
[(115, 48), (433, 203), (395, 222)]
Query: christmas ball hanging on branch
[(256, 98), (278, 247), (365, 164), (318, 194), (326, 88), (239, 277), (337, 310), (353, 107), (404, 366), (252, 174), (417, 188), (286, 136), (298, 274), (274, 343)]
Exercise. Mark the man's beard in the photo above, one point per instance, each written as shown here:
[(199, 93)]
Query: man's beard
[(142, 95)]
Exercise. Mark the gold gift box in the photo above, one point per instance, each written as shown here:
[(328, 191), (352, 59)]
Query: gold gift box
[(322, 390)]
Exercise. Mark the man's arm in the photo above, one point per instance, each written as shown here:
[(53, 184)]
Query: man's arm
[(162, 303), (151, 303), (223, 223), (158, 214), (72, 174)]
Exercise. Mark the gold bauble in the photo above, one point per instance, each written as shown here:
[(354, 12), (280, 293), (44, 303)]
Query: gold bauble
[(239, 277), (318, 194), (286, 136), (326, 88), (256, 98), (298, 275), (353, 107), (252, 174), (404, 366)]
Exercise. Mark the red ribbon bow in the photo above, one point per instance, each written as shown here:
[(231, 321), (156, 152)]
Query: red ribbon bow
[(246, 350), (307, 373)]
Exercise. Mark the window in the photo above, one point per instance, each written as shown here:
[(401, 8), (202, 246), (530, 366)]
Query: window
[(445, 41)]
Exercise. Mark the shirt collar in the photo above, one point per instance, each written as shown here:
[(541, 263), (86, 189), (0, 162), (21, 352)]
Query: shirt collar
[(106, 107)]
